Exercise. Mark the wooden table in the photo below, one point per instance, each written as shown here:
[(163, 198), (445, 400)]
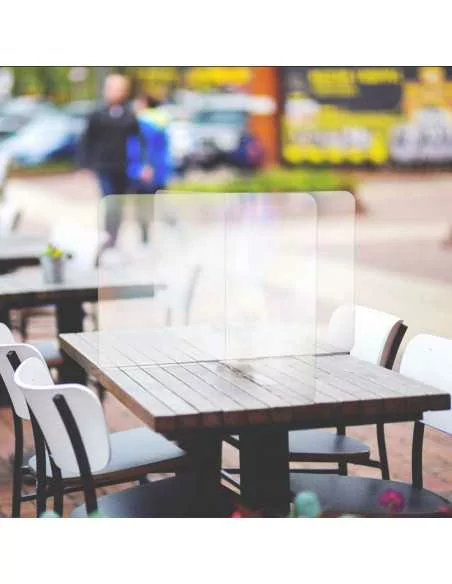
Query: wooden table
[(17, 251), (158, 376), (26, 288)]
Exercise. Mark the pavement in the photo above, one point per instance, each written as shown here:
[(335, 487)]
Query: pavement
[(401, 266)]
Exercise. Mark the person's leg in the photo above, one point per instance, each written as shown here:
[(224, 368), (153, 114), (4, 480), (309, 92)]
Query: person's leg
[(144, 208), (112, 183)]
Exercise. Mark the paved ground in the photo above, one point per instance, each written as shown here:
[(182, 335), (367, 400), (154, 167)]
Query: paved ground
[(401, 267)]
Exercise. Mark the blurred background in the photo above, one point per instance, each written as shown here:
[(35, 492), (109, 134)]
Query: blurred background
[(383, 133), (316, 117)]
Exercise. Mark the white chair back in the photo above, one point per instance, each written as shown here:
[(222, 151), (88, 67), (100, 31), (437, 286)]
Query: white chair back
[(82, 244), (9, 218), (178, 297), (5, 162), (8, 345), (428, 359), (366, 333), (33, 378)]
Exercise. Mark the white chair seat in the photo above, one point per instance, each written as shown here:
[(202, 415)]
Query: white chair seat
[(132, 450)]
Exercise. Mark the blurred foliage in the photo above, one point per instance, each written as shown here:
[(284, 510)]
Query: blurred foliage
[(47, 168), (275, 180), (53, 83)]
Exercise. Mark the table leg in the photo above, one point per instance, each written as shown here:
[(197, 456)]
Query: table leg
[(264, 471), (70, 317), (205, 456)]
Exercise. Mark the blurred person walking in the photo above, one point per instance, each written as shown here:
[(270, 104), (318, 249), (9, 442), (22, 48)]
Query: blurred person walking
[(104, 148), (153, 130)]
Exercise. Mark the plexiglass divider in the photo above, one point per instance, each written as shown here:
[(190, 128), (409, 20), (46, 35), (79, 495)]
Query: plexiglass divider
[(336, 235), (196, 277)]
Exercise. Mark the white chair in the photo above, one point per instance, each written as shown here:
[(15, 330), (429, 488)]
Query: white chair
[(366, 334), (5, 164), (72, 422), (178, 296), (369, 335), (134, 453), (427, 359), (10, 217)]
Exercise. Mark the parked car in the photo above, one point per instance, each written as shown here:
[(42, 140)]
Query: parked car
[(48, 136), (180, 133), (428, 138), (80, 111), (223, 128), (15, 113)]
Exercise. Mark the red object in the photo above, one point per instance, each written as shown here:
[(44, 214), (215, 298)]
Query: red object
[(446, 510), (243, 513), (392, 500)]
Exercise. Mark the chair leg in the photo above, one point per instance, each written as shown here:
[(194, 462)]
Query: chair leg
[(342, 466), (383, 454), (416, 455), (41, 494), (57, 488), (58, 499), (41, 475), (17, 467)]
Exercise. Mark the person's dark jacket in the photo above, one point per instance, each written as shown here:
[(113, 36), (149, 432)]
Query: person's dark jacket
[(103, 145)]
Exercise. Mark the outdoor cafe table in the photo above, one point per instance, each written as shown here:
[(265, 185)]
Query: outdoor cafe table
[(26, 288), (17, 251), (199, 402)]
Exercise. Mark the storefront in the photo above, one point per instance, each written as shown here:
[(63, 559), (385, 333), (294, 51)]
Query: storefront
[(366, 116)]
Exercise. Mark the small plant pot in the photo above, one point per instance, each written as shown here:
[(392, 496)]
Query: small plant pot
[(53, 269)]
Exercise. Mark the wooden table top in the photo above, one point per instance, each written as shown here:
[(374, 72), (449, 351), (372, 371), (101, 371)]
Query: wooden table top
[(177, 393), (27, 287)]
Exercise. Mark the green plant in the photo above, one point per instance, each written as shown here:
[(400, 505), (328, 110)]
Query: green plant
[(274, 180), (52, 252)]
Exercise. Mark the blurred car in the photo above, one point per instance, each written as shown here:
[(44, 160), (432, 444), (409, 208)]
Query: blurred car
[(15, 113), (428, 138), (48, 136), (80, 111), (180, 134), (222, 127)]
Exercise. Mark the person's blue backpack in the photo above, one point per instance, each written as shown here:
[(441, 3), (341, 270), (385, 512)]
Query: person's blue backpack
[(158, 150)]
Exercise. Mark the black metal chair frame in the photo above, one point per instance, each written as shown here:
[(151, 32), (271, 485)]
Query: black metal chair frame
[(75, 437), (45, 487), (382, 463)]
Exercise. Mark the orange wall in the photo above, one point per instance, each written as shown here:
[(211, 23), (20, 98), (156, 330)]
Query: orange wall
[(265, 81)]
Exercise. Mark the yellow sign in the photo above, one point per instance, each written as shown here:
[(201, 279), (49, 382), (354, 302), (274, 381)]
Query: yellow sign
[(367, 115), (209, 77)]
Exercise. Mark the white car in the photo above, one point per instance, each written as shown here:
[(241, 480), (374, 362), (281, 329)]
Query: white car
[(427, 139)]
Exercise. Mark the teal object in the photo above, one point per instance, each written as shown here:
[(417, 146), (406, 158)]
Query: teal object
[(307, 505), (49, 515), (95, 515)]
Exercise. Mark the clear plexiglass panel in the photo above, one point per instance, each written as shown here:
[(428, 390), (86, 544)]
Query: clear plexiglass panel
[(335, 271), (196, 277)]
